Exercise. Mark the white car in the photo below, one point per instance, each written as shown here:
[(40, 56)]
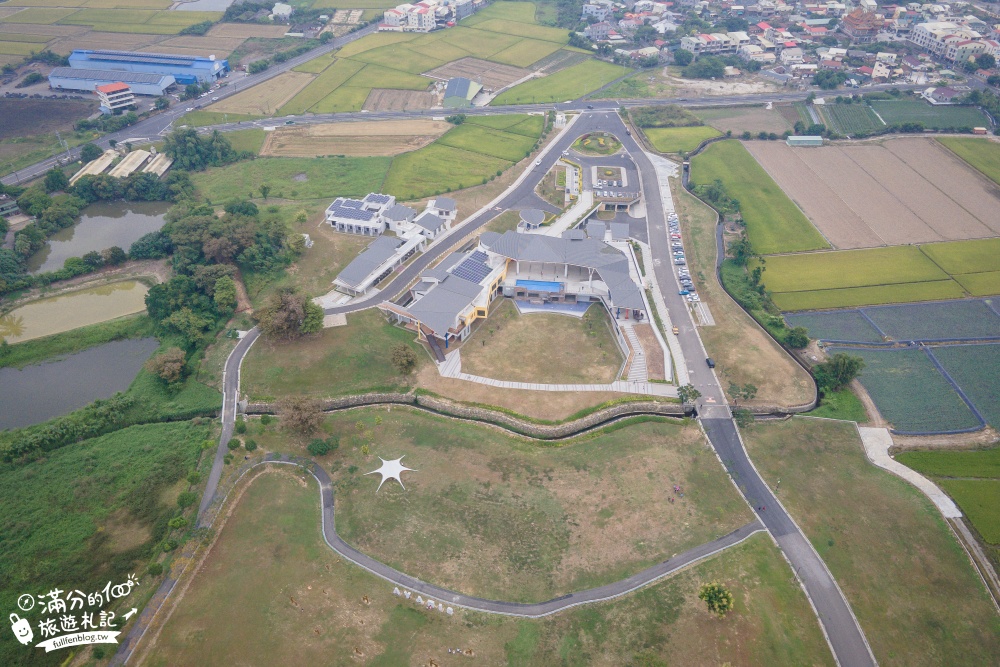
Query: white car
[(190, 109), (538, 161), (215, 99)]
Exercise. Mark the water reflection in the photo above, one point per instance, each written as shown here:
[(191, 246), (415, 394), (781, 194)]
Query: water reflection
[(75, 309)]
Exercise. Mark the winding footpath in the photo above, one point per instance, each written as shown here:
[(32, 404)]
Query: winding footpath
[(837, 621)]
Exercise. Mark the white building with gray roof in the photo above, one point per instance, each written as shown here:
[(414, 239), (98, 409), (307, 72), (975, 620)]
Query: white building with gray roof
[(360, 216), (382, 256)]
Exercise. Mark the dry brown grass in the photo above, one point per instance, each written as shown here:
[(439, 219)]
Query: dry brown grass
[(246, 30), (208, 44), (745, 119), (652, 350), (543, 347), (736, 342), (386, 99), (355, 139), (896, 192), (264, 100)]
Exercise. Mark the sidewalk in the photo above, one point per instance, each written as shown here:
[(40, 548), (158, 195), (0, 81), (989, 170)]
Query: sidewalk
[(452, 368)]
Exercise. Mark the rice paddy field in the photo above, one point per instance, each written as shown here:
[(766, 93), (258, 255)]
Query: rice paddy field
[(774, 223), (679, 139), (566, 84), (910, 392), (982, 154), (850, 119), (873, 276), (933, 117)]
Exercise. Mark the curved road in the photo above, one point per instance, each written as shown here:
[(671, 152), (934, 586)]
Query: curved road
[(844, 635)]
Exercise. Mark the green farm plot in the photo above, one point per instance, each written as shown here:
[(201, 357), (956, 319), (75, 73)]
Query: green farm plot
[(851, 119), (438, 50), (322, 86), (486, 141), (246, 140), (294, 178), (398, 57), (35, 39), (316, 65), (480, 43), (980, 284), (910, 392), (435, 169), (982, 154), (529, 30), (530, 126), (974, 368), (851, 297), (523, 12), (18, 48), (353, 4), (200, 118), (678, 139), (894, 112), (105, 16), (371, 75), (774, 223), (849, 268), (345, 98), (981, 463), (843, 325), (980, 501), (567, 84), (39, 15), (957, 257), (374, 41), (526, 52)]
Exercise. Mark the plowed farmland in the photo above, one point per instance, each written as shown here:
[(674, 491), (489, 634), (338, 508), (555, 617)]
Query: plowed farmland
[(899, 192), (354, 139)]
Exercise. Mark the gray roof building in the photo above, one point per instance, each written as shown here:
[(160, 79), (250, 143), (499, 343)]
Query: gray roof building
[(440, 306), (619, 231), (430, 222), (610, 264), (375, 255), (532, 217), (400, 213), (141, 83), (596, 229), (459, 92), (445, 204)]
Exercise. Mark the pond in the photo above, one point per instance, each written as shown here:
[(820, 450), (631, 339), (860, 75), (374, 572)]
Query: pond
[(101, 226), (38, 393), (74, 309)]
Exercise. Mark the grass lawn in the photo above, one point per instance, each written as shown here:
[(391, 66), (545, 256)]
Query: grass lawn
[(678, 139), (543, 347), (279, 577), (774, 223), (89, 512), (982, 154), (597, 143), (294, 178), (488, 141), (567, 84), (200, 118), (504, 222), (933, 117), (840, 405), (906, 577), (436, 169), (351, 359), (246, 140), (494, 515), (743, 352)]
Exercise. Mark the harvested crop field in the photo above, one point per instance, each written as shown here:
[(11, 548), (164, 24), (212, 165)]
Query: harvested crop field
[(744, 119), (364, 139), (490, 75), (246, 30), (21, 118), (387, 99), (899, 192), (264, 100)]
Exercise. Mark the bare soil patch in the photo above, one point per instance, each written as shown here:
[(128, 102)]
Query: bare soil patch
[(246, 30), (892, 193), (355, 139), (652, 351), (386, 99), (491, 75), (22, 118), (745, 119)]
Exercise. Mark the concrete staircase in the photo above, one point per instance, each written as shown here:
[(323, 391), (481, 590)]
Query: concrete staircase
[(637, 370)]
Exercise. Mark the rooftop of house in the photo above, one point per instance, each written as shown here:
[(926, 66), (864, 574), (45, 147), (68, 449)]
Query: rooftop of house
[(376, 254)]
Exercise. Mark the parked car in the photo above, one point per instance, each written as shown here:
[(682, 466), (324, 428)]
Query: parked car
[(684, 292), (710, 361), (677, 330)]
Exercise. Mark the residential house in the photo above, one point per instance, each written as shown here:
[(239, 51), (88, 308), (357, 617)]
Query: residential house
[(364, 216), (597, 32), (600, 12), (791, 56), (862, 25)]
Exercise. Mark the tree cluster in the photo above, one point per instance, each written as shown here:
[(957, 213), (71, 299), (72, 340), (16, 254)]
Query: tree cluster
[(838, 371), (289, 314), (170, 366), (111, 123), (193, 152), (717, 598), (197, 28)]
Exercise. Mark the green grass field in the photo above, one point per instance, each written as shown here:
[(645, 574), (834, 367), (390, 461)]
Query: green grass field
[(247, 140), (851, 297), (294, 178), (316, 65), (89, 512), (851, 119), (270, 550), (435, 169), (980, 501), (352, 359), (980, 284), (526, 52), (486, 141), (934, 117), (567, 84), (343, 99), (910, 392), (957, 257), (200, 118), (908, 580), (774, 223), (850, 268), (39, 15), (679, 139), (982, 463), (982, 154), (322, 86), (840, 405)]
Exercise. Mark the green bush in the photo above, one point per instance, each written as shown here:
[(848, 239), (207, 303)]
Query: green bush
[(177, 522), (155, 569), (318, 447), (234, 444), (186, 499), (241, 426), (250, 445)]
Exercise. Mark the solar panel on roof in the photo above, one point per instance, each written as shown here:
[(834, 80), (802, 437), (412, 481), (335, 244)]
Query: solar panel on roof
[(472, 268)]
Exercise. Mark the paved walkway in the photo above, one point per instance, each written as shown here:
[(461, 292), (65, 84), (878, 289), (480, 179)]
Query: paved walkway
[(877, 443), (525, 610), (583, 205), (451, 367), (674, 345)]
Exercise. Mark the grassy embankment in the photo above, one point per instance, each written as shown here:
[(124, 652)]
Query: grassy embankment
[(92, 513), (271, 550), (906, 577)]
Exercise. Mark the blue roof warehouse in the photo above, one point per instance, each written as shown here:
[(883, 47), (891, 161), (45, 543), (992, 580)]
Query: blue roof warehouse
[(184, 69)]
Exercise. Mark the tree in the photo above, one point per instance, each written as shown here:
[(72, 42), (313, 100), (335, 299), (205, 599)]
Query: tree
[(93, 260), (161, 103), (313, 320), (171, 366), (89, 152), (318, 447), (265, 190), (403, 358), (838, 371), (225, 295), (283, 315), (250, 445), (717, 598), (797, 338), (55, 180), (683, 57), (456, 119), (114, 256), (300, 414), (706, 67), (743, 417), (688, 394), (986, 61), (742, 251)]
